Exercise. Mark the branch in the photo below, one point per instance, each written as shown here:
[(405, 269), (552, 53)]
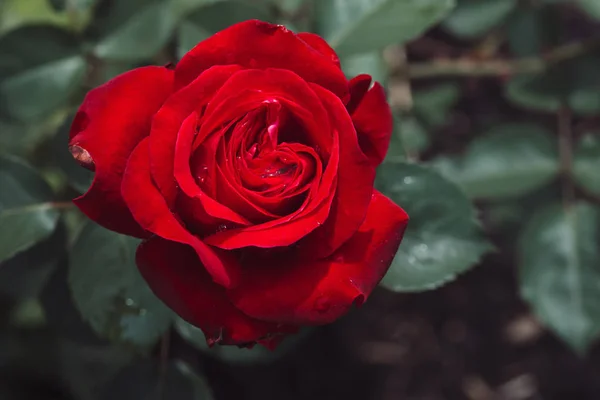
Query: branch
[(478, 68), (565, 146)]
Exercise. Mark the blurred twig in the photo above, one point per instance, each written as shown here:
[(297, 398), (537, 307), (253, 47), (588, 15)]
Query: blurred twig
[(469, 67), (565, 145)]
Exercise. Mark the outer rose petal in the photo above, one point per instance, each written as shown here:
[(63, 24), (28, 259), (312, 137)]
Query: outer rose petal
[(354, 186), (316, 42), (150, 210), (311, 293), (177, 277), (359, 86), (112, 120), (372, 118), (170, 117), (258, 45)]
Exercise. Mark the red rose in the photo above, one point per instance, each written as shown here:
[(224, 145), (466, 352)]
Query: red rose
[(248, 169)]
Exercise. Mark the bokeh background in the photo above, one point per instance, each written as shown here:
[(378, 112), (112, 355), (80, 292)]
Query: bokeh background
[(495, 292)]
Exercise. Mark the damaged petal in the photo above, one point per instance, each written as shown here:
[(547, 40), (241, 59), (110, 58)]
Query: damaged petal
[(82, 156)]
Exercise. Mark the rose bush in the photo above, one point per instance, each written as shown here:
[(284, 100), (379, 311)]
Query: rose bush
[(248, 171)]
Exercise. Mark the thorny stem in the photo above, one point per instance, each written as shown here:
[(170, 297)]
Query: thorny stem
[(565, 146), (469, 67)]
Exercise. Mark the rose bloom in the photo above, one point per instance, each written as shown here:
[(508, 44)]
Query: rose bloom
[(248, 172)]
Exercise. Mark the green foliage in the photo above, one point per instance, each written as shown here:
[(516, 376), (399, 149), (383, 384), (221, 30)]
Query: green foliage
[(109, 291), (133, 30), (472, 18), (27, 213), (433, 104), (443, 238), (41, 67), (213, 17), (587, 163), (357, 26), (507, 161), (558, 264)]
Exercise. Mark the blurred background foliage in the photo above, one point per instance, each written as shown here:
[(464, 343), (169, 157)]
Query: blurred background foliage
[(495, 156)]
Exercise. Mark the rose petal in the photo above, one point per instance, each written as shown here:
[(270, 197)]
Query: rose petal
[(287, 230), (359, 86), (151, 211), (316, 42), (311, 293), (374, 124), (170, 117), (176, 276), (354, 185), (183, 176), (258, 45), (112, 120), (249, 89)]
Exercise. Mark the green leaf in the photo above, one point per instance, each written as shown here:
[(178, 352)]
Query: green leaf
[(591, 7), (473, 18), (586, 163), (358, 26), (559, 275), (443, 238), (16, 13), (109, 291), (433, 104), (575, 83), (149, 381), (508, 161), (211, 18), (40, 69), (257, 354), (413, 135), (25, 275), (367, 63), (133, 29), (27, 214)]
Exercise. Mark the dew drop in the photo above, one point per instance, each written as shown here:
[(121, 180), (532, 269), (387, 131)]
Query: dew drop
[(129, 302), (202, 174)]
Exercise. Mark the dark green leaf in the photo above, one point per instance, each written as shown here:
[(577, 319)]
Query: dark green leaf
[(27, 214), (575, 83), (214, 17), (40, 69), (109, 291), (367, 63), (145, 380), (508, 161), (358, 26), (413, 135), (587, 163), (434, 104), (25, 275), (443, 238), (559, 274), (133, 29), (257, 354), (591, 7), (473, 18)]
